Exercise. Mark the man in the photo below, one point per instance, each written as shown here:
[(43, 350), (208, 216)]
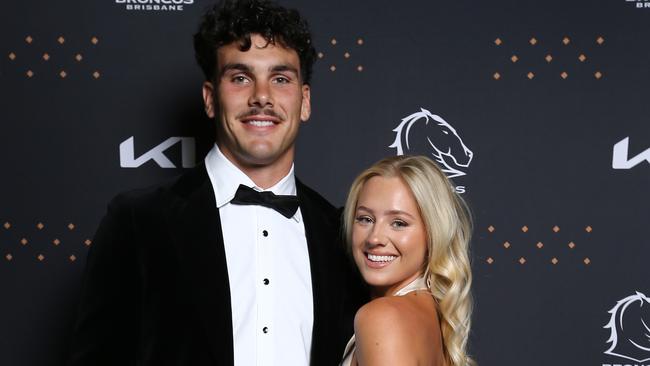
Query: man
[(206, 270)]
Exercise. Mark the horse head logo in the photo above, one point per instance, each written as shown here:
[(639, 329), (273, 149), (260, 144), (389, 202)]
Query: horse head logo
[(437, 137), (629, 331)]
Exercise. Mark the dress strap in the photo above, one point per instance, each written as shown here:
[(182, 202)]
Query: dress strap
[(418, 284), (349, 352)]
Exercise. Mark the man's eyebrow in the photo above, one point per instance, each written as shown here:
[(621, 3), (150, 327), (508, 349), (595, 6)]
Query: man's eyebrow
[(281, 68), (235, 67)]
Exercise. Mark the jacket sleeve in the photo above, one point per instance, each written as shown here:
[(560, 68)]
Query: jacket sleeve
[(106, 328)]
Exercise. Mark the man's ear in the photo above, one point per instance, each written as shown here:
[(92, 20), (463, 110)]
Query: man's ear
[(305, 108), (208, 98)]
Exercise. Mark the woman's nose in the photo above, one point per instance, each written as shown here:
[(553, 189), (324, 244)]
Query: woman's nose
[(377, 236)]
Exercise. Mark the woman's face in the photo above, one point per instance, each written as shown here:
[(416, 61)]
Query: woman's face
[(388, 235)]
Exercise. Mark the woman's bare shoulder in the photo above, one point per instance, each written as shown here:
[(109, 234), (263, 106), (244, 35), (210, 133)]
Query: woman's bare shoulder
[(409, 310), (388, 329), (388, 309)]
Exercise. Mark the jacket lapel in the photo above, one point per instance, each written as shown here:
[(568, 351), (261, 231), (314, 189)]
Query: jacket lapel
[(196, 232), (326, 277)]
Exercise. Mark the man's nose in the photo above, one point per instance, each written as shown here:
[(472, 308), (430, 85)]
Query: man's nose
[(261, 96)]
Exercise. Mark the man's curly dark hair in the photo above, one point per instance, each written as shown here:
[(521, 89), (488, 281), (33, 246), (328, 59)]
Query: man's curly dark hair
[(235, 21)]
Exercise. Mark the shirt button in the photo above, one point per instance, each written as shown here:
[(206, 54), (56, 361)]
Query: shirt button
[(265, 233), (265, 330), (266, 281)]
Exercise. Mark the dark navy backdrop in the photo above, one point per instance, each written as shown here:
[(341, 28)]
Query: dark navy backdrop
[(539, 92)]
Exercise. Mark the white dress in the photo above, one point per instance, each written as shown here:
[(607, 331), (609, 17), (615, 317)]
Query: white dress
[(417, 284)]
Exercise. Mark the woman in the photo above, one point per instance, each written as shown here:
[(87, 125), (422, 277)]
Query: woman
[(408, 232)]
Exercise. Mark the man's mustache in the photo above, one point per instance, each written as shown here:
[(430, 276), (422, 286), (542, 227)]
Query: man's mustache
[(261, 112)]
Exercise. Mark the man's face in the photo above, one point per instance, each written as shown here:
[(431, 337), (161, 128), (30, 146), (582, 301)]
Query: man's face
[(261, 101)]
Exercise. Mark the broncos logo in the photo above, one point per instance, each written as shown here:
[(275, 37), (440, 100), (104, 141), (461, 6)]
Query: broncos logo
[(630, 334), (438, 137)]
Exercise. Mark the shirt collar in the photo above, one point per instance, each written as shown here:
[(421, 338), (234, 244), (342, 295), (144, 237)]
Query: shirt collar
[(226, 178)]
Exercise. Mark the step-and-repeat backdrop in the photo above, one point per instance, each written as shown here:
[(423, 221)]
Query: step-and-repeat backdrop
[(542, 118)]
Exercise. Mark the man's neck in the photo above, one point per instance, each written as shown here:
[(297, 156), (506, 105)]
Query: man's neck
[(263, 175)]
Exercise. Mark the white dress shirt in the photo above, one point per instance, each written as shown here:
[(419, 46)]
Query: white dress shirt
[(268, 270)]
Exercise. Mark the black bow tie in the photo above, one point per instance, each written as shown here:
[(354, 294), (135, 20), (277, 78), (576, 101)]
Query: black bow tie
[(285, 205)]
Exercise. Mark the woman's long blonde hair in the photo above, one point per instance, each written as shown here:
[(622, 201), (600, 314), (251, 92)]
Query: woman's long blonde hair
[(448, 227)]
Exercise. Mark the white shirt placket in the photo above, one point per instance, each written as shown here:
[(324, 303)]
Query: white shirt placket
[(265, 289)]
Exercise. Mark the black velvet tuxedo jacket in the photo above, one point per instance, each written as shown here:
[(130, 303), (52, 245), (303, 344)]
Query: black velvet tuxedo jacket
[(156, 290)]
